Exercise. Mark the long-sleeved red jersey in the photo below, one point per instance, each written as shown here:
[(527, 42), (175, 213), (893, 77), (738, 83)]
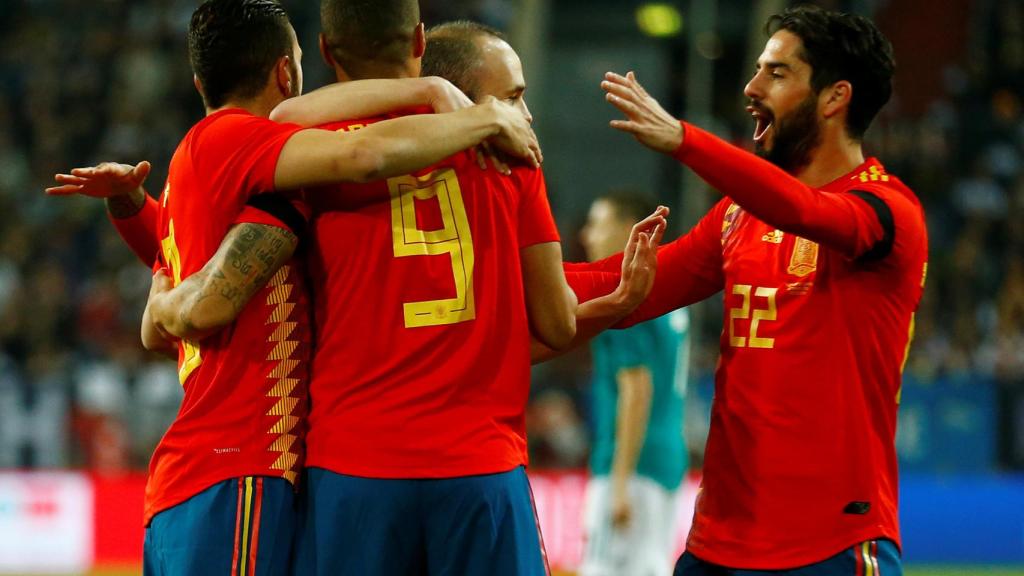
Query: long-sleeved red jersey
[(820, 288)]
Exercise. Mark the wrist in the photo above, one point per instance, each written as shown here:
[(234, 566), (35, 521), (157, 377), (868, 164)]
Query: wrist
[(490, 117), (623, 301), (126, 205), (679, 148)]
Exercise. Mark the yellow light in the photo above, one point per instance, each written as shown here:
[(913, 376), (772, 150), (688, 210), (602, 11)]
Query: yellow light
[(659, 20)]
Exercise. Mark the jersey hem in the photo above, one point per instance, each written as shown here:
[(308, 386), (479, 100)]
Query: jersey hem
[(413, 473), (152, 509), (748, 562)]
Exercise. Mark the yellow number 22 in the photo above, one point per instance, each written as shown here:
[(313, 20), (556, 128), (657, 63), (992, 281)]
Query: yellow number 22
[(453, 239), (743, 313)]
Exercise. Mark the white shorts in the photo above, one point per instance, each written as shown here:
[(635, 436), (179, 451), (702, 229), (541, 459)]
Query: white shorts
[(645, 547)]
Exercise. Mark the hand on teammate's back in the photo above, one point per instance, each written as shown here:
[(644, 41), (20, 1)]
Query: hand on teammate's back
[(515, 136), (640, 258), (645, 118), (104, 180)]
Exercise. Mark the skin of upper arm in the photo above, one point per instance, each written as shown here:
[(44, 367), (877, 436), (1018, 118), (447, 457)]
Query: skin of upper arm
[(550, 303), (247, 259)]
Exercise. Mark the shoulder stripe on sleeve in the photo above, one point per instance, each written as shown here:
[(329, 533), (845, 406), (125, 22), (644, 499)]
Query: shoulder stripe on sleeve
[(883, 247), (281, 208)]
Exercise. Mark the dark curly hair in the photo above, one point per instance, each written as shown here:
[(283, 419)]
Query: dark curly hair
[(234, 44), (841, 46)]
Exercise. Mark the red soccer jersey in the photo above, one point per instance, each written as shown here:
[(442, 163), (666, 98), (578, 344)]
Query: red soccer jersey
[(245, 386), (422, 364), (800, 461)]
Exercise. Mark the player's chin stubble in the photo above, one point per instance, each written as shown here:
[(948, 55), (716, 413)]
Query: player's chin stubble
[(796, 136)]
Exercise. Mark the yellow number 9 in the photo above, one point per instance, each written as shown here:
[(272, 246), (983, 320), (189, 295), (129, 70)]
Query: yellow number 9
[(453, 239)]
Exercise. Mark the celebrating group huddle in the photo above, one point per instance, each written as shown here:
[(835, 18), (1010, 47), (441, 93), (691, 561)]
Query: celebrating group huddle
[(355, 307)]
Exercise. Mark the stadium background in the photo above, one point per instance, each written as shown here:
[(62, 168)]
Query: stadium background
[(109, 79)]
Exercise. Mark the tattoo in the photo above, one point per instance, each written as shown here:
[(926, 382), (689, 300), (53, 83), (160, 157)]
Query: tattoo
[(126, 205), (247, 259)]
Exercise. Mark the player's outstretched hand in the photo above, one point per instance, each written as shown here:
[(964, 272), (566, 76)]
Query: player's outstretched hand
[(645, 118), (640, 258), (515, 137), (105, 180)]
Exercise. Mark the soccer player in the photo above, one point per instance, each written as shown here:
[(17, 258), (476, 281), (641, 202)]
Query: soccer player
[(416, 443), (638, 457), (821, 254), (220, 495)]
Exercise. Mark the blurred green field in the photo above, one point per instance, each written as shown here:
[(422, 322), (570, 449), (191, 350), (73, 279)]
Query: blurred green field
[(908, 571)]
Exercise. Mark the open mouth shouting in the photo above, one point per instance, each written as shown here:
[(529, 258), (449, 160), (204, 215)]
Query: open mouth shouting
[(763, 120)]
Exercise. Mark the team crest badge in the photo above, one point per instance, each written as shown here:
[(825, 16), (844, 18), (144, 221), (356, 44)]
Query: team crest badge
[(731, 214), (804, 259)]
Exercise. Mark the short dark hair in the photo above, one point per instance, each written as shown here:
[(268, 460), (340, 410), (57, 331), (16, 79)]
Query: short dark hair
[(453, 53), (629, 204), (360, 33), (234, 44), (841, 46)]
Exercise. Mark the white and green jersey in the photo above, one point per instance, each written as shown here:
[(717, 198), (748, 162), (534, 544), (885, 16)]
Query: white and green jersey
[(662, 346)]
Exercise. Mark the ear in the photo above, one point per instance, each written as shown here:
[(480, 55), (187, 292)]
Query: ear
[(283, 75), (198, 85), (325, 51), (836, 98), (419, 41)]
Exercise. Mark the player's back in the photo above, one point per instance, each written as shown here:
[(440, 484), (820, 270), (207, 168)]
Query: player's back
[(422, 360), (245, 386)]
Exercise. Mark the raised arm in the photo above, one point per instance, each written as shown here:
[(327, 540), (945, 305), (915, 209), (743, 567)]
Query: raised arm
[(848, 222), (399, 146), (366, 98), (631, 285), (214, 296)]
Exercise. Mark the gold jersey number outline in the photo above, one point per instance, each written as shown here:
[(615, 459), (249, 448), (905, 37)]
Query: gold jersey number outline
[(453, 239)]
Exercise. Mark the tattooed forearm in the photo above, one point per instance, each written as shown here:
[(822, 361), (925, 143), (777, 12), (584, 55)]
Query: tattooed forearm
[(127, 205), (247, 259)]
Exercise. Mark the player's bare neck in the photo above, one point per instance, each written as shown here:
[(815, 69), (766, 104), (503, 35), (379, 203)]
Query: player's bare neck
[(258, 106), (834, 158), (373, 71)]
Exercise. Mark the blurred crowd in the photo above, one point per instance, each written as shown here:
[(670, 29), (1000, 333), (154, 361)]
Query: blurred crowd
[(84, 82)]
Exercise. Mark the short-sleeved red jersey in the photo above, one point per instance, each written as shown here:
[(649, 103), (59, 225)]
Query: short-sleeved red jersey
[(422, 363), (245, 386), (800, 461)]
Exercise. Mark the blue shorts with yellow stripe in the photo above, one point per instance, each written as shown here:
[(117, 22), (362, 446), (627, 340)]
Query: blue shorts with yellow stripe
[(871, 558), (238, 527)]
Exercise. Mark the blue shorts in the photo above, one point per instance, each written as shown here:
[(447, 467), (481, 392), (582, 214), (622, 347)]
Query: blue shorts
[(238, 527), (871, 558), (465, 526)]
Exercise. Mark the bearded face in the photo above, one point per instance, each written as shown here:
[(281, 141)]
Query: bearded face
[(787, 141)]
